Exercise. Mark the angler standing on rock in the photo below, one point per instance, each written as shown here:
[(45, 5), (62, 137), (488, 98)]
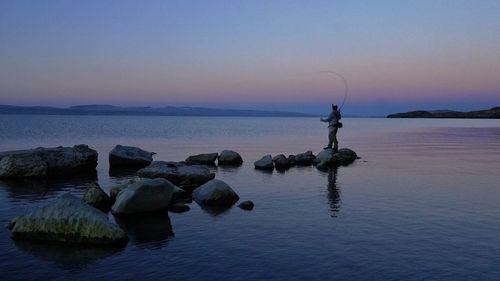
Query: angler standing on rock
[(333, 125)]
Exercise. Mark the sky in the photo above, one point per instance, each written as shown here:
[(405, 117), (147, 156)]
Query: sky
[(271, 55)]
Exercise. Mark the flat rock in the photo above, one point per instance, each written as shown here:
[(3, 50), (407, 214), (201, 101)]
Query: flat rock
[(265, 163), (181, 174), (229, 157), (44, 162), (129, 156), (206, 159), (67, 219), (215, 193), (97, 198), (142, 196)]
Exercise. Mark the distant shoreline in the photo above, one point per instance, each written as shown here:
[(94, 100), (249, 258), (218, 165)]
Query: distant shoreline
[(110, 110), (493, 113)]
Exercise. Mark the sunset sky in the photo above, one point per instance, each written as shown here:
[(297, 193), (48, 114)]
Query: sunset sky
[(395, 55)]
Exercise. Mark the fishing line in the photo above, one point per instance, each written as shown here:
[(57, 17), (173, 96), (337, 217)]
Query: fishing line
[(346, 86)]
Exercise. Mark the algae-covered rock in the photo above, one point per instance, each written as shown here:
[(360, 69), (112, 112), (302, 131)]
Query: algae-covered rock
[(97, 198), (67, 219), (215, 193)]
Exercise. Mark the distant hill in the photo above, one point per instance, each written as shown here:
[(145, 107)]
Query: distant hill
[(493, 113), (103, 109)]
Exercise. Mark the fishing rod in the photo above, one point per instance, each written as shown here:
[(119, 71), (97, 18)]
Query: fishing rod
[(346, 86)]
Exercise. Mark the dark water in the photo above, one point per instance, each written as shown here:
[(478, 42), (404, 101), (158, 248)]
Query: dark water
[(422, 204)]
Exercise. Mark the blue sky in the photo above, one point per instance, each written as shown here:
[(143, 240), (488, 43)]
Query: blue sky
[(396, 55)]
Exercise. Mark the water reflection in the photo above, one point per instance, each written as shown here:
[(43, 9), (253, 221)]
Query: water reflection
[(122, 173), (152, 230), (333, 192), (215, 210), (68, 256), (34, 190)]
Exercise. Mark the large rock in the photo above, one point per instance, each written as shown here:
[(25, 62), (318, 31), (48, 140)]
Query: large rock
[(67, 219), (206, 159), (44, 162), (229, 158), (146, 195), (129, 156), (115, 190), (324, 156), (304, 159), (215, 193), (329, 158), (181, 174), (265, 163), (345, 156), (281, 162), (97, 198)]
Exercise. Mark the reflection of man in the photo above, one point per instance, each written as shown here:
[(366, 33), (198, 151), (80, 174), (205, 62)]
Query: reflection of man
[(333, 125), (333, 192)]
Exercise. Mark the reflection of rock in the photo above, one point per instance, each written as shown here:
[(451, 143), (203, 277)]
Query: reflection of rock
[(122, 172), (152, 229), (97, 198), (67, 219), (206, 159), (46, 162), (215, 193), (181, 174), (229, 157), (333, 192), (68, 256), (264, 163), (142, 196), (129, 156)]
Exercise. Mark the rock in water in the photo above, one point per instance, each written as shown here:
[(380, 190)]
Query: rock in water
[(265, 163), (215, 193), (229, 157), (97, 198), (206, 159), (304, 159), (67, 219), (280, 162), (291, 160), (178, 208), (183, 175), (147, 195), (246, 205), (328, 158), (45, 162), (324, 156), (115, 190), (129, 156)]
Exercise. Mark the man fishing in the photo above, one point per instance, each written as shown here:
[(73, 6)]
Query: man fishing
[(333, 125)]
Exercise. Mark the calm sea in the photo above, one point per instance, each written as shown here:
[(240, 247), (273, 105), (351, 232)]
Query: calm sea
[(423, 203)]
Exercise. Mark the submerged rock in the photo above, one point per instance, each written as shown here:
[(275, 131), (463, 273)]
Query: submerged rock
[(97, 198), (45, 162), (215, 193), (246, 205), (181, 174), (207, 159), (146, 195), (265, 163), (229, 157), (129, 156), (67, 219), (281, 162)]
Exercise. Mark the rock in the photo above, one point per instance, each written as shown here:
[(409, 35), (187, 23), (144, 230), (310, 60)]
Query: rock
[(115, 190), (265, 163), (304, 159), (181, 174), (291, 160), (345, 156), (280, 161), (328, 158), (46, 162), (179, 194), (246, 205), (67, 219), (324, 156), (97, 198), (207, 159), (129, 156), (142, 196), (178, 208), (229, 157), (215, 193), (323, 165)]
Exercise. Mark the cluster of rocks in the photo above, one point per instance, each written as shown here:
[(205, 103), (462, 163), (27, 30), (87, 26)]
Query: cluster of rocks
[(226, 157), (324, 159)]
